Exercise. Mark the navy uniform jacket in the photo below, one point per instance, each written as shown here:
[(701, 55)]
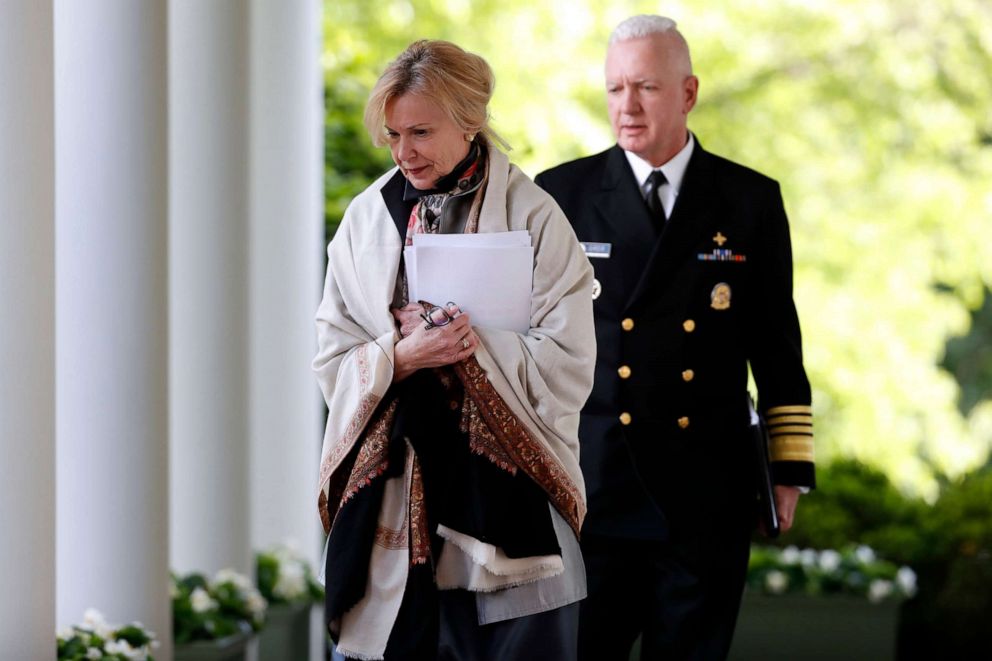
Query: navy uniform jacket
[(680, 315)]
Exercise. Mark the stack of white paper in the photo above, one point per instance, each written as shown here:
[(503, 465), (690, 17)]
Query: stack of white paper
[(489, 276)]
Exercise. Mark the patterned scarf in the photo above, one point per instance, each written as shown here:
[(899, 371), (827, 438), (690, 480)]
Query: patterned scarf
[(468, 176)]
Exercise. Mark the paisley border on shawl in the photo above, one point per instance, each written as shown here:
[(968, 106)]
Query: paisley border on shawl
[(394, 540), (365, 407), (373, 455), (370, 462), (420, 544), (481, 439), (342, 447), (527, 453)]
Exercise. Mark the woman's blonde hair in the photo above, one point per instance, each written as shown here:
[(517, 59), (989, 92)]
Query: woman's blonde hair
[(460, 82)]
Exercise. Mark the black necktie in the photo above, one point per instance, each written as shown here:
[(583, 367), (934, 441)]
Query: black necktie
[(656, 181)]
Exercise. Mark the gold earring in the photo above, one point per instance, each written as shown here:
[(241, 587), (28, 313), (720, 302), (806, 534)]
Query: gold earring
[(469, 137)]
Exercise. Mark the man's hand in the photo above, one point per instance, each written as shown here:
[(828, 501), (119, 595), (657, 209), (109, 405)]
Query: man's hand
[(786, 499)]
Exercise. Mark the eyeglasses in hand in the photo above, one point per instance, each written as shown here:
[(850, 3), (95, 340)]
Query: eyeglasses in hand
[(437, 316)]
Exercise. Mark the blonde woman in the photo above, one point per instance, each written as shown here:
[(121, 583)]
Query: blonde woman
[(449, 482)]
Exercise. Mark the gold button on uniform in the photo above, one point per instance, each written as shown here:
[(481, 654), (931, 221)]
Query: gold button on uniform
[(683, 422), (689, 325), (627, 324), (624, 371), (624, 418), (688, 375)]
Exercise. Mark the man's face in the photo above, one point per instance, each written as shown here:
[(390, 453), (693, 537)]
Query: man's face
[(649, 93)]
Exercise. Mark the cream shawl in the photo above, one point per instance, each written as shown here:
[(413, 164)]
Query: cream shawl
[(543, 377)]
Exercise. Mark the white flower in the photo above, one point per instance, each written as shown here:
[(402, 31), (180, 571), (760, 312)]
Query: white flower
[(791, 555), (906, 579), (228, 575), (92, 617), (119, 647), (776, 581), (288, 552), (809, 557), (94, 653), (65, 633), (201, 601), (256, 604), (879, 589), (864, 554), (291, 582), (829, 560), (94, 620)]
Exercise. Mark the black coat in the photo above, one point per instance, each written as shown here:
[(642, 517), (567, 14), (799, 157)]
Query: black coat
[(668, 412)]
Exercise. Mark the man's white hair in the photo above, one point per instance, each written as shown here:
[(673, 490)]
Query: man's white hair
[(643, 25)]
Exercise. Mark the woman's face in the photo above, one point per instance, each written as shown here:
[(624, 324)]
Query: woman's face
[(423, 140)]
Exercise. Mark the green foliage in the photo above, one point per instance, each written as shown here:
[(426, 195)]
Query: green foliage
[(209, 610), (950, 617), (856, 502), (350, 161), (948, 544), (960, 521), (285, 577), (872, 115), (855, 570), (96, 639), (969, 358)]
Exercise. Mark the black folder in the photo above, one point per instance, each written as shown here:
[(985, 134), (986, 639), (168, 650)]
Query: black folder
[(767, 511)]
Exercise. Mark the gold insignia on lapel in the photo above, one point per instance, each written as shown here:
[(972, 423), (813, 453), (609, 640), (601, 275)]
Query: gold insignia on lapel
[(597, 289), (720, 296), (719, 239)]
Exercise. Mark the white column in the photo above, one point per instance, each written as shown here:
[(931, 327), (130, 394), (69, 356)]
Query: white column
[(286, 264), (27, 330), (287, 245), (111, 300), (208, 244)]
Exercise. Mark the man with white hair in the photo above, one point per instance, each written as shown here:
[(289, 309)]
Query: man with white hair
[(693, 268)]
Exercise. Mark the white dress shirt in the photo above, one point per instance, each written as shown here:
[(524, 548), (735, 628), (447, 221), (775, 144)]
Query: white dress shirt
[(674, 171)]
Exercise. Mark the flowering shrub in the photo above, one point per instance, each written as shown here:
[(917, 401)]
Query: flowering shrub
[(284, 577), (223, 606), (95, 639), (855, 570)]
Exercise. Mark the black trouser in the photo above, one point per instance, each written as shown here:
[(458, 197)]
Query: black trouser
[(446, 627), (681, 598), (547, 636)]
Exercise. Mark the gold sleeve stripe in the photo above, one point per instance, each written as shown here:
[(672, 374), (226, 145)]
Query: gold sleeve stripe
[(793, 441), (780, 419), (779, 410), (791, 448)]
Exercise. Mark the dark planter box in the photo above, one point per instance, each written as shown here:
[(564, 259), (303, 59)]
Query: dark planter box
[(812, 628), (232, 648), (286, 635)]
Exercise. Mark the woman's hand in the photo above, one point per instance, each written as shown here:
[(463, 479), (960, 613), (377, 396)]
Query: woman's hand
[(408, 318), (434, 347)]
